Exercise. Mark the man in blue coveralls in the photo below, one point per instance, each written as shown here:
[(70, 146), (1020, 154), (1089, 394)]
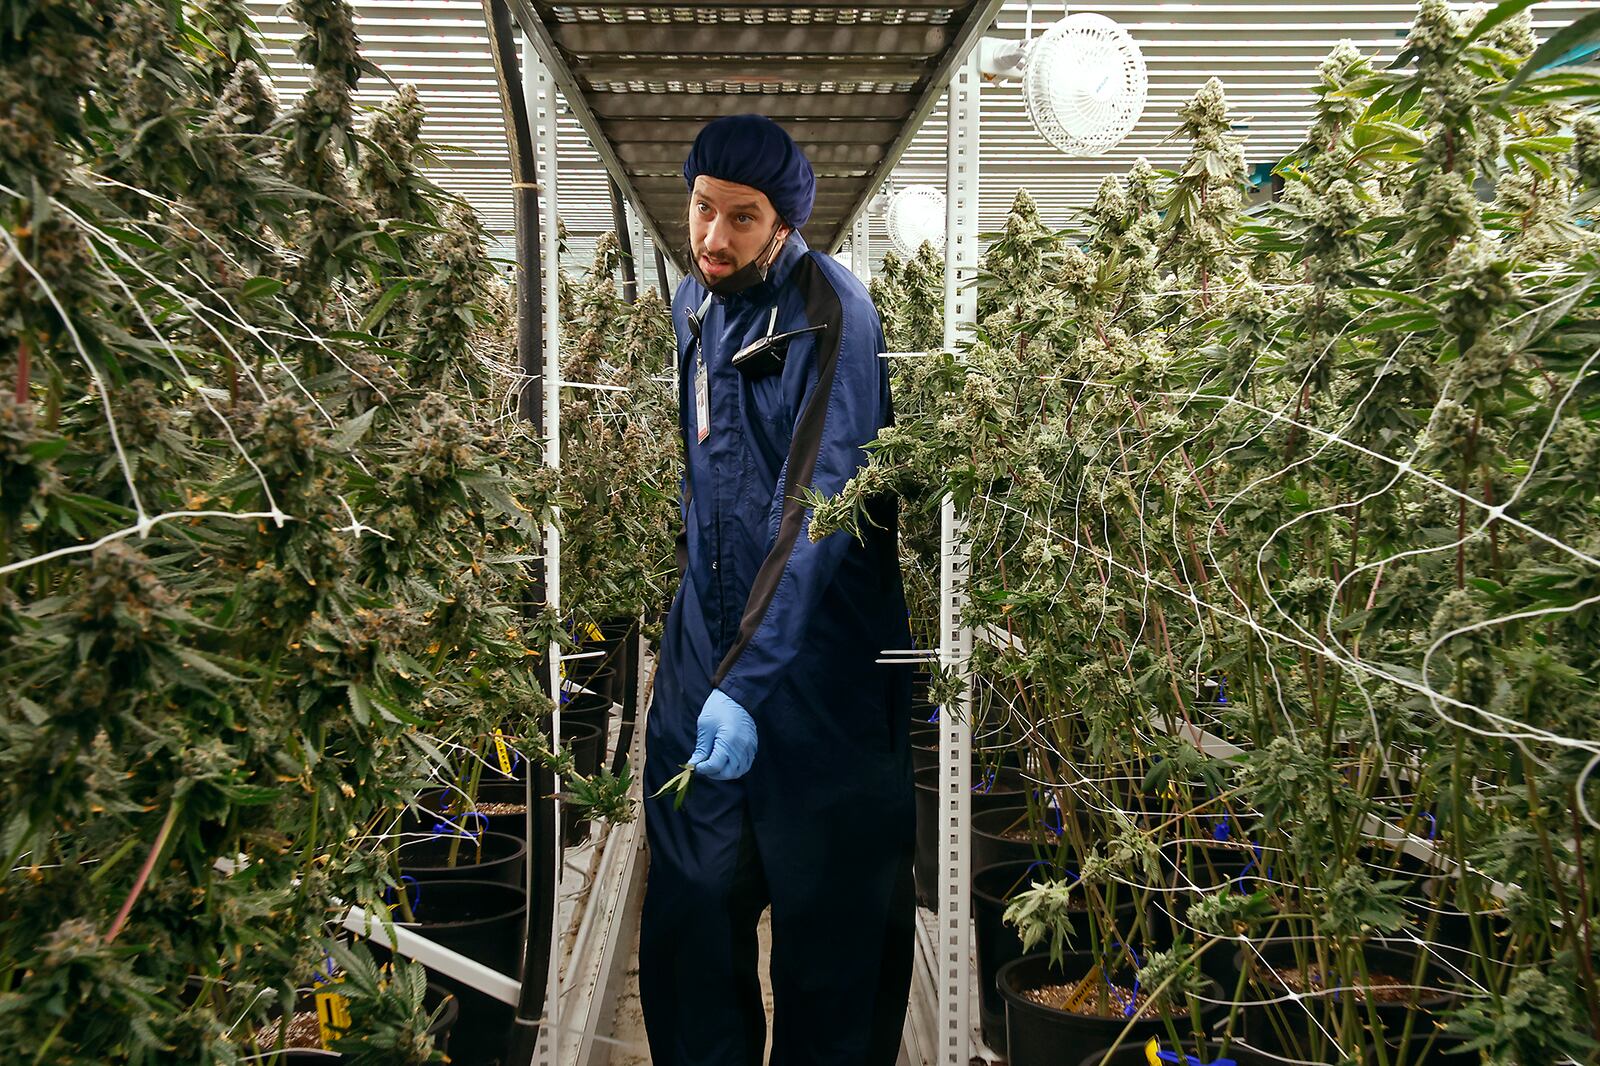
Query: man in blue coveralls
[(768, 684)]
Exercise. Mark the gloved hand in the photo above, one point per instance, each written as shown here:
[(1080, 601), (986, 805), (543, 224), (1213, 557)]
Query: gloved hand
[(725, 740)]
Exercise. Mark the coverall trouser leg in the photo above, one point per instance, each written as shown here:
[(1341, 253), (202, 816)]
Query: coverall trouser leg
[(841, 964), (699, 985)]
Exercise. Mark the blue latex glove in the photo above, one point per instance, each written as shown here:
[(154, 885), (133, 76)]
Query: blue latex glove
[(725, 740)]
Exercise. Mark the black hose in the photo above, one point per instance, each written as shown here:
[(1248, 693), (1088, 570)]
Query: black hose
[(619, 215), (544, 842), (628, 655)]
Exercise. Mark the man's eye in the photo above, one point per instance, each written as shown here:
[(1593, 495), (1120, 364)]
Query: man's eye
[(745, 220)]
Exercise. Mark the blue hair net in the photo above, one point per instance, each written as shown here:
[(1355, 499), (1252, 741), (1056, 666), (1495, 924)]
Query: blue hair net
[(753, 150)]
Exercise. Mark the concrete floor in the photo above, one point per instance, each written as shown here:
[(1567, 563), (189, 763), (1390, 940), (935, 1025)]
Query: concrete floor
[(628, 1024)]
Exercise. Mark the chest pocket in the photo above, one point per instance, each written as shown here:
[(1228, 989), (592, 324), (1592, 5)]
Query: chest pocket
[(771, 399)]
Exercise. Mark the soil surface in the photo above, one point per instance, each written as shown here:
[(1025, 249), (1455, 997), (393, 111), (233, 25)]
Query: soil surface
[(502, 808), (303, 1032), (1030, 836), (1055, 997), (1380, 987)]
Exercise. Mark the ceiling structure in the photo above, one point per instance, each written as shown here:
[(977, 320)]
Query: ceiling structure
[(850, 79), (846, 80)]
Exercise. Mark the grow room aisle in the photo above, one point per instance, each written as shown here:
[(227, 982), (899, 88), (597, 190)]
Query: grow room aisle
[(627, 1028), (628, 1046)]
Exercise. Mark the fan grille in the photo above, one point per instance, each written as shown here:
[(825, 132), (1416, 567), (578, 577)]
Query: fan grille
[(916, 214), (1085, 84)]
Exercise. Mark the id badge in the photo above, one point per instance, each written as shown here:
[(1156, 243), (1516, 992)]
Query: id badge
[(702, 401)]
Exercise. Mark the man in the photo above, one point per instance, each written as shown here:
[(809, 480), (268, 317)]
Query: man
[(768, 685)]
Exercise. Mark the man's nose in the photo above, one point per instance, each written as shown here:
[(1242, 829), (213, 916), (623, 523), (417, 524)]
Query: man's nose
[(716, 238)]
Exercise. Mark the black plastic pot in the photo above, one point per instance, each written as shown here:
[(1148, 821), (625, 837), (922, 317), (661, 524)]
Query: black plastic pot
[(581, 711), (482, 920), (513, 793), (440, 1028), (1195, 869), (920, 707), (1204, 866), (1292, 1030), (492, 857), (1037, 1035), (1435, 898), (1132, 1053), (990, 845), (1006, 789), (588, 754), (597, 672), (925, 753), (995, 942)]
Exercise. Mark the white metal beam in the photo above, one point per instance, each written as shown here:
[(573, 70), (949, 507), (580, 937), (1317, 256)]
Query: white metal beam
[(539, 89), (954, 1037)]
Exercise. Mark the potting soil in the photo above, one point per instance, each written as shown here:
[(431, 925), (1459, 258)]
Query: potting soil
[(303, 1032), (502, 808), (1380, 987), (1030, 836), (1056, 997)]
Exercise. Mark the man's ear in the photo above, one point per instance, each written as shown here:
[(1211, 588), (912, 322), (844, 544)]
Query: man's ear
[(777, 245)]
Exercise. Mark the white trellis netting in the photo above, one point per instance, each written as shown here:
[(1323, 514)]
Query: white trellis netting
[(1085, 84)]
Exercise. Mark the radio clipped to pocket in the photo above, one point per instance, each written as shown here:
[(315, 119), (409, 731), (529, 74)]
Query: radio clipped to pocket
[(766, 356)]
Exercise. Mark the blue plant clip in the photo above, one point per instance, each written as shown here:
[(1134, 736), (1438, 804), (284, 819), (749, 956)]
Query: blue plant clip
[(407, 882), (459, 828), (1192, 1060), (1221, 831), (1433, 825), (1127, 1012)]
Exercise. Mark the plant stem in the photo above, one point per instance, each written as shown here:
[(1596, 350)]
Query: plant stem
[(24, 356), (144, 871), (1586, 956)]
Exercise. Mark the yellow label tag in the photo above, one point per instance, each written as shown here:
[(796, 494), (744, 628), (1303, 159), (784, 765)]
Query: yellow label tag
[(333, 1013), (1152, 1053), (501, 753), (1080, 992), (592, 632)]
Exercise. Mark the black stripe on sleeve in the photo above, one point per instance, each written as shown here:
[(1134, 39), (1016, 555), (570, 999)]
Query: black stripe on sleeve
[(822, 308)]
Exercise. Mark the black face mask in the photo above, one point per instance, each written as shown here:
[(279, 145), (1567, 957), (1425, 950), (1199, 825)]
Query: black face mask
[(752, 273)]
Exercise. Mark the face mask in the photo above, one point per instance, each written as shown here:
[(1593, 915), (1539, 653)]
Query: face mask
[(752, 273)]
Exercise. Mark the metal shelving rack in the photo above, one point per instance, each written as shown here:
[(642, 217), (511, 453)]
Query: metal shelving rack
[(952, 1043)]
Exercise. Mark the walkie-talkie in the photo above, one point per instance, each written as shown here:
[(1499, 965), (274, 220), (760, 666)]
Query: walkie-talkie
[(765, 356)]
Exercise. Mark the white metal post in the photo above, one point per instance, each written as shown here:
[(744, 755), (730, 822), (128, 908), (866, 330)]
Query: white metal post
[(540, 91), (955, 639), (642, 264), (861, 249)]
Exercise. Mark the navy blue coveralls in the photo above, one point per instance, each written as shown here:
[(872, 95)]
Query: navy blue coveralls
[(822, 825)]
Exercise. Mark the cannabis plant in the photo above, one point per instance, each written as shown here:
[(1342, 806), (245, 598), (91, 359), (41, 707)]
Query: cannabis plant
[(266, 539), (1285, 542)]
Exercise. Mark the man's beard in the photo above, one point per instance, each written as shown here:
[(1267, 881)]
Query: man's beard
[(740, 278)]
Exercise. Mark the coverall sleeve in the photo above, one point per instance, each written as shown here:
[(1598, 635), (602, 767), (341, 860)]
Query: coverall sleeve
[(843, 409)]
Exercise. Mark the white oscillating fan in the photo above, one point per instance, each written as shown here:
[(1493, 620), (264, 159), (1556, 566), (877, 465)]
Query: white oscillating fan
[(1084, 80), (916, 214)]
